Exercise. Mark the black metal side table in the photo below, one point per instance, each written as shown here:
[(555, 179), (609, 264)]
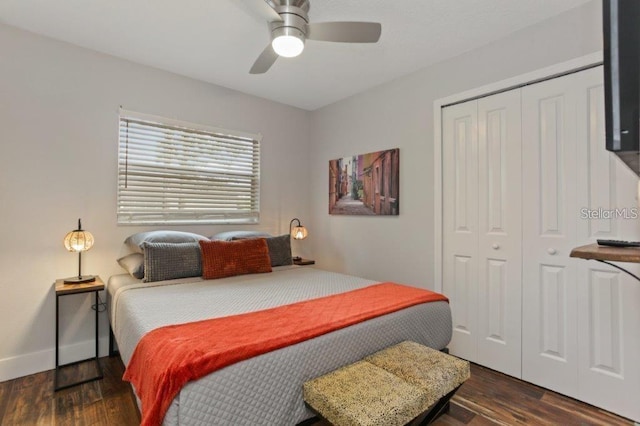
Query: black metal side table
[(63, 289)]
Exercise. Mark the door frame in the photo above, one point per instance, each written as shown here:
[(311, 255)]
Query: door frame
[(547, 73)]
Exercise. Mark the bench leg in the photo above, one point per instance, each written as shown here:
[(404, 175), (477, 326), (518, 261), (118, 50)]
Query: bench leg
[(311, 421)]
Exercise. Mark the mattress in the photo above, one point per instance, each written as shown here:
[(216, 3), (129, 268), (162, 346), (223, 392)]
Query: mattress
[(267, 389)]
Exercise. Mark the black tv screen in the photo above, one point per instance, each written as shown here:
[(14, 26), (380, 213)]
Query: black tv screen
[(621, 34)]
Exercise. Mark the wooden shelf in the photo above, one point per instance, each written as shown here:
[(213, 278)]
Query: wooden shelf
[(62, 288), (612, 254)]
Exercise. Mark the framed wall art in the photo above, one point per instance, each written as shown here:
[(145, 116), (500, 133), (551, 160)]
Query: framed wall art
[(365, 184)]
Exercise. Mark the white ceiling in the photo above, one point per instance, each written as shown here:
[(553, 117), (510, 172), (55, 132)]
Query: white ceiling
[(218, 40)]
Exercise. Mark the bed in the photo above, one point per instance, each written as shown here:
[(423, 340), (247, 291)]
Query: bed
[(266, 389)]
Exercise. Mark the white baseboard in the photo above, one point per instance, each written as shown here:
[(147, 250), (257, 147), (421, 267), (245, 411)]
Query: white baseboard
[(36, 362)]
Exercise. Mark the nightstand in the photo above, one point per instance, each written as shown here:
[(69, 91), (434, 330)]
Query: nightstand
[(302, 262), (63, 289)]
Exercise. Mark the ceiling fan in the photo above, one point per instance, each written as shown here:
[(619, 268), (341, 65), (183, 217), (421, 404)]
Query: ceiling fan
[(290, 28)]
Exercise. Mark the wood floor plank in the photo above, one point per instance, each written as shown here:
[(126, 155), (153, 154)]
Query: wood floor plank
[(499, 384), (5, 391), (499, 399), (112, 382), (67, 407), (483, 421), (93, 409), (43, 380), (450, 421), (91, 393), (29, 402), (120, 410), (94, 414), (460, 413), (589, 414), (119, 400)]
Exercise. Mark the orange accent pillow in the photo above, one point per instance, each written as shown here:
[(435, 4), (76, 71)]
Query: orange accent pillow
[(228, 258)]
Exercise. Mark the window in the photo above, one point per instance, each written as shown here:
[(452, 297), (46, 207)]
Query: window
[(171, 172)]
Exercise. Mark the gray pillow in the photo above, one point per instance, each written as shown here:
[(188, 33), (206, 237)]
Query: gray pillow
[(134, 242), (168, 261), (134, 264), (239, 235), (280, 250)]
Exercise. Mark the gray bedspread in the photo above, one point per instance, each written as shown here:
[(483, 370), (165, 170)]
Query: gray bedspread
[(267, 389)]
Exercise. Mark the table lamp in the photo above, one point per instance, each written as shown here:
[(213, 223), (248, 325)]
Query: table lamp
[(297, 233), (78, 241)]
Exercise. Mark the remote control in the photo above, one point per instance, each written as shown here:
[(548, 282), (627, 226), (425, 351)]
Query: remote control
[(618, 243)]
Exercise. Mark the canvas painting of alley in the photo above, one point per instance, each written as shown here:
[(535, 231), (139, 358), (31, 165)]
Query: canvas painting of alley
[(365, 184)]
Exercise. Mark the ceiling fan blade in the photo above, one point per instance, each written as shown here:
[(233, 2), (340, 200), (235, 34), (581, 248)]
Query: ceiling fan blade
[(345, 32), (264, 61), (263, 7)]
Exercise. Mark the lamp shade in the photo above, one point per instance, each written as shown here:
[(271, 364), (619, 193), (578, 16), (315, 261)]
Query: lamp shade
[(298, 232), (78, 240)]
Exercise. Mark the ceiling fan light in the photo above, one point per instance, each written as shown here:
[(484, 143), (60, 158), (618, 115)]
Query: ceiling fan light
[(288, 46)]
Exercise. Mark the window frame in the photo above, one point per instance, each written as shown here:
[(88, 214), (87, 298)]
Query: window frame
[(125, 209)]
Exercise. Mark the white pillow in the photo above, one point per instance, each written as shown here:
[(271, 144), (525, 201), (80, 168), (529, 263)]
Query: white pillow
[(134, 264)]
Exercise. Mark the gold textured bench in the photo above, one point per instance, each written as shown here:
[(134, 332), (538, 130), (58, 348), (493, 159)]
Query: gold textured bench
[(405, 383)]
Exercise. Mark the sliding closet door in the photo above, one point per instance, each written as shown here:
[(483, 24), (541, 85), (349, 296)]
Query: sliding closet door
[(608, 299), (460, 224), (549, 345), (500, 232), (482, 231), (526, 178)]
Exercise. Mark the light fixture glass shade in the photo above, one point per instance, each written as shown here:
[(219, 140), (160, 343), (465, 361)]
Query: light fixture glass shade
[(299, 233), (78, 241), (288, 46)]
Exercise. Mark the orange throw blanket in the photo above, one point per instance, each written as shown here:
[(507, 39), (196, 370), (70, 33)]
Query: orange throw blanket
[(167, 358)]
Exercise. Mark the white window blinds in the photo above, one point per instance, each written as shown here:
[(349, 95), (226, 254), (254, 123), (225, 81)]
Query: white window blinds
[(171, 172)]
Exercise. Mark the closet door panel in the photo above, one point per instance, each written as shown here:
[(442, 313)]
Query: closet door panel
[(549, 214), (460, 225), (596, 167), (499, 229), (609, 375)]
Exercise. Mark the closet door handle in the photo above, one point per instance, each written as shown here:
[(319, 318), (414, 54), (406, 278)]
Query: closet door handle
[(551, 251), (495, 246)]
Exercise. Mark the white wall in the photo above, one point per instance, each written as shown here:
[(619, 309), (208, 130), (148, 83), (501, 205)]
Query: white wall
[(400, 115), (58, 115), (58, 161)]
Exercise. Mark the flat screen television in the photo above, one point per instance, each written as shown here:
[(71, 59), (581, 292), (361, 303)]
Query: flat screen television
[(621, 36)]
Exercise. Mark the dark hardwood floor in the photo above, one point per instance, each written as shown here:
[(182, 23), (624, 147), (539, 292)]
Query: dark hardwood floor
[(31, 400), (488, 398)]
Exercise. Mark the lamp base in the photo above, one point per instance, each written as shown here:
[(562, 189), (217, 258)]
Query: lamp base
[(80, 280)]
